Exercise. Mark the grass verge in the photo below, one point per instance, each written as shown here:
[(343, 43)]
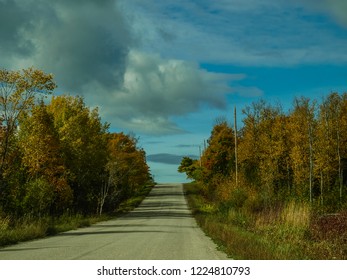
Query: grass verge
[(29, 228), (289, 232)]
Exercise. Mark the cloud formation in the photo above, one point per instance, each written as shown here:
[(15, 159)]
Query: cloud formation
[(242, 32), (81, 42), (90, 47), (156, 89), (139, 60)]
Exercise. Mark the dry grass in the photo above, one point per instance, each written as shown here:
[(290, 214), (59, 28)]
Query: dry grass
[(21, 230), (285, 232), (296, 215), (28, 228)]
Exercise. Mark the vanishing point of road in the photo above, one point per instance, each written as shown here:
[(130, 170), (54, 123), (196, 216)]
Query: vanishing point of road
[(161, 228)]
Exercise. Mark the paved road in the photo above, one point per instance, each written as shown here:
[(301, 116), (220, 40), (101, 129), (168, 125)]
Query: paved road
[(161, 228)]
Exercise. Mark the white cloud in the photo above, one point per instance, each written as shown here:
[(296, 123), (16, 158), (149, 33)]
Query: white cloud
[(139, 60), (156, 89), (89, 46)]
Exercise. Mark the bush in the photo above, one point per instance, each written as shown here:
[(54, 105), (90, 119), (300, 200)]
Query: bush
[(238, 198), (330, 227), (254, 203), (38, 197)]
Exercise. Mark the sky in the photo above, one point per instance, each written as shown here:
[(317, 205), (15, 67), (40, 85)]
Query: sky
[(166, 70)]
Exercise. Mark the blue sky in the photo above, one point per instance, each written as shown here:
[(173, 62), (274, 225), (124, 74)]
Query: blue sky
[(165, 70)]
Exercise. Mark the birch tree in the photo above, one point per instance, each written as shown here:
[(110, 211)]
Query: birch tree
[(302, 127)]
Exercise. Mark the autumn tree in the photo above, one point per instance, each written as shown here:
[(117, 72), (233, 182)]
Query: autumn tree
[(302, 130), (249, 145), (127, 162), (343, 147), (218, 159), (18, 92), (264, 149), (83, 140), (219, 156), (301, 155), (273, 163), (57, 156), (126, 170), (41, 157), (331, 137)]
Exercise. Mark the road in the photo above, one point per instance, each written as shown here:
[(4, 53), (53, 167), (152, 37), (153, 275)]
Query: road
[(161, 228)]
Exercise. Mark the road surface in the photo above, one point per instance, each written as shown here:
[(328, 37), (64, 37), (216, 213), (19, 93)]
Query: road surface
[(161, 228)]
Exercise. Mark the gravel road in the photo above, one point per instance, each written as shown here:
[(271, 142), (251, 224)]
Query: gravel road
[(161, 228)]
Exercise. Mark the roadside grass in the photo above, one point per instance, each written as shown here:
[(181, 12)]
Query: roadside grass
[(29, 228), (285, 232), (132, 202)]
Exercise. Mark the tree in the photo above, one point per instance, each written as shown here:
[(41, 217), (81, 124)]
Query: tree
[(41, 156), (126, 170), (302, 131), (190, 167), (331, 132), (219, 157), (18, 92), (249, 145), (127, 163), (264, 148), (275, 151), (83, 140)]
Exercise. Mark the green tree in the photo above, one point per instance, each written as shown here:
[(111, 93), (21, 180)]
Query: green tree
[(190, 167)]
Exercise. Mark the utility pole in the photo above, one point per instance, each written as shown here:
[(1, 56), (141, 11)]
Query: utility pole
[(200, 163), (236, 162)]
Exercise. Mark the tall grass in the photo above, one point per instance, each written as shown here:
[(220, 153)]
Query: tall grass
[(23, 229), (26, 228), (283, 231)]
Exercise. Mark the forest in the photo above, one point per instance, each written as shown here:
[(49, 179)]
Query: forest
[(279, 172), (57, 157), (300, 155)]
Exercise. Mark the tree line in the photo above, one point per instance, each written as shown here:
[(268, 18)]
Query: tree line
[(296, 155), (57, 156)]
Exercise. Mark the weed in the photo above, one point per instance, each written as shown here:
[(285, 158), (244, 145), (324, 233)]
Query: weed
[(28, 228), (283, 231), (4, 223)]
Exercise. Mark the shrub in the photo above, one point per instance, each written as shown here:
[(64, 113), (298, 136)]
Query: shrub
[(330, 226)]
